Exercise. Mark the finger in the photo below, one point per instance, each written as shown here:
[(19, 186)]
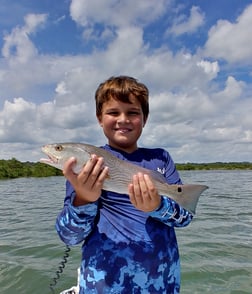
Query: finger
[(137, 190), (131, 194), (98, 167), (95, 173), (143, 187), (103, 175), (154, 197), (152, 191), (88, 168), (68, 168)]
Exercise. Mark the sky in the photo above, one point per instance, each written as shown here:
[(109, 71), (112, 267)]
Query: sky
[(194, 56)]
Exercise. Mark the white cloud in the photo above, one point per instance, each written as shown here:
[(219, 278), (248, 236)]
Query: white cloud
[(232, 41), (248, 137), (113, 14), (191, 114), (190, 24), (33, 22), (12, 119), (26, 122), (210, 68), (17, 45), (232, 91)]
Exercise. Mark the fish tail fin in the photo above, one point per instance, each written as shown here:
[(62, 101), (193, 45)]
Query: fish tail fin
[(187, 195), (190, 196)]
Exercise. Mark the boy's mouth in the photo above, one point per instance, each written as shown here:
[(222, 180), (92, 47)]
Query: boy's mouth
[(123, 130)]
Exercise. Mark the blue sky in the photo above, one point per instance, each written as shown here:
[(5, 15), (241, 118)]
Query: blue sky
[(195, 57)]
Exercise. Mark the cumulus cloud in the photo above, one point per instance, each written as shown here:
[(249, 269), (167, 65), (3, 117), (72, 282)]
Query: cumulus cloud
[(188, 25), (232, 92), (17, 44), (115, 12), (191, 114), (26, 122), (232, 41), (101, 19), (12, 119), (210, 68)]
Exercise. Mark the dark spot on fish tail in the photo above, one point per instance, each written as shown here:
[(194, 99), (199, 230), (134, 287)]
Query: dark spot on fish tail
[(179, 189)]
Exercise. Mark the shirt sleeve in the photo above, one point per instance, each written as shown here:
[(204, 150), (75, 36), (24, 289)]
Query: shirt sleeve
[(74, 224), (171, 174), (171, 213)]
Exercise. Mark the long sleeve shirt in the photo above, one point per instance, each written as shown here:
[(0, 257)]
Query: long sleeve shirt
[(126, 250)]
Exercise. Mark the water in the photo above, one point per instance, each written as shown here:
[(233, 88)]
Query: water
[(215, 249)]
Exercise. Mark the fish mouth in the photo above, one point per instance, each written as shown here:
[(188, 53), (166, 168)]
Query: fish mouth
[(51, 159)]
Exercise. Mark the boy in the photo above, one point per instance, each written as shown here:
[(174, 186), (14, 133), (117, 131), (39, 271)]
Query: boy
[(129, 241)]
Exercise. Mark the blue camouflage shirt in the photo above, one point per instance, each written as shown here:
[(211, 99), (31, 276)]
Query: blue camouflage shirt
[(126, 250)]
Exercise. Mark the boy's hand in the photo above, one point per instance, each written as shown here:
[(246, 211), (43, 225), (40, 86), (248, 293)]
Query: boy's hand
[(143, 194), (88, 183)]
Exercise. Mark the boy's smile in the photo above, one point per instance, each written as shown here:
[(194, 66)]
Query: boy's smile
[(122, 123), (123, 131)]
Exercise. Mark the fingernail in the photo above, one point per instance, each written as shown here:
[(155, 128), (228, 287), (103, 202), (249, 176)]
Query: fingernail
[(92, 157), (73, 159)]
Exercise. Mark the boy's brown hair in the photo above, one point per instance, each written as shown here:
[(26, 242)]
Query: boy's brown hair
[(122, 88)]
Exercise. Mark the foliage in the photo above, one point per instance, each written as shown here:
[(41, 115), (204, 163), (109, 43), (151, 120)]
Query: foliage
[(13, 168), (214, 166)]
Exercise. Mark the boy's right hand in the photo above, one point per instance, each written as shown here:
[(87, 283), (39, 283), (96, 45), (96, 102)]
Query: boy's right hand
[(88, 183)]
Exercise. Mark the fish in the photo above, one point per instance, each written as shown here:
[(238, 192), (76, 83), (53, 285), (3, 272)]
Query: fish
[(120, 172)]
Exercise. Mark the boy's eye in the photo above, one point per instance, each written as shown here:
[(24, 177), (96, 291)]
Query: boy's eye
[(112, 112), (134, 113), (129, 113)]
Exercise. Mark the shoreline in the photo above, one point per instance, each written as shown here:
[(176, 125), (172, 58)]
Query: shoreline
[(12, 168)]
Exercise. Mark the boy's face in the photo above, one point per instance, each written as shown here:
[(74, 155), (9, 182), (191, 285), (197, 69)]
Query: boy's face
[(122, 123)]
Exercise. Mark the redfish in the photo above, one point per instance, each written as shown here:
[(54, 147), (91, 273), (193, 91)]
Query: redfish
[(121, 172)]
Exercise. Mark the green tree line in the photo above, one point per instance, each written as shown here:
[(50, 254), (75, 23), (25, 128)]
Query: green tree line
[(214, 166), (13, 168)]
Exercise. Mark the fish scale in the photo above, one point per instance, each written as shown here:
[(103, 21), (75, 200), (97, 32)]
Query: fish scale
[(121, 172)]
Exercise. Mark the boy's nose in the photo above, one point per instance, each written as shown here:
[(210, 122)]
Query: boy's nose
[(123, 118)]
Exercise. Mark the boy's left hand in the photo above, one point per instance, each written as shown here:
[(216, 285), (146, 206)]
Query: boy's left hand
[(143, 193)]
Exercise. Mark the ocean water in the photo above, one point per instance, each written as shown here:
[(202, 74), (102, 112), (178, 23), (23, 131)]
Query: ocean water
[(215, 249)]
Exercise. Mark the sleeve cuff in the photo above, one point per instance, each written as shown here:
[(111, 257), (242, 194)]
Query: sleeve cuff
[(163, 210), (87, 209)]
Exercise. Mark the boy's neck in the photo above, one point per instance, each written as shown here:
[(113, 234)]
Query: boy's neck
[(125, 150)]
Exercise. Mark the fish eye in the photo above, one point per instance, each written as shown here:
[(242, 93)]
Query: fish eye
[(58, 147), (179, 189)]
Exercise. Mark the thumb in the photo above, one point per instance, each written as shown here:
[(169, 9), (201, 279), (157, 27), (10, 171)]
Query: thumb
[(68, 168)]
